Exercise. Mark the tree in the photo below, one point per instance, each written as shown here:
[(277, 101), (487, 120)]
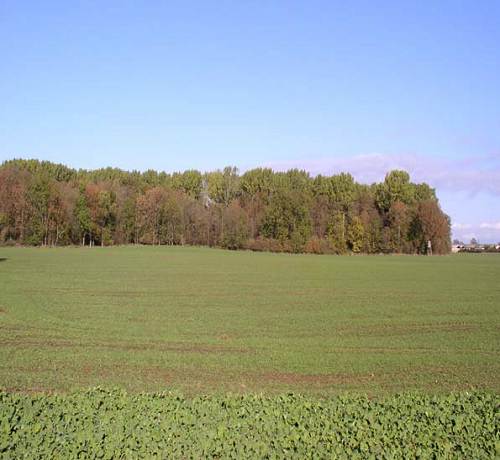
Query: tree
[(149, 209), (355, 234), (396, 187), (223, 185), (340, 190), (126, 228), (256, 187), (100, 202), (46, 203), (197, 223), (236, 227), (399, 219), (433, 226), (190, 182), (172, 218), (320, 214), (82, 216), (105, 217), (39, 195), (3, 226), (336, 232), (257, 181), (364, 207), (14, 184), (62, 210), (287, 219)]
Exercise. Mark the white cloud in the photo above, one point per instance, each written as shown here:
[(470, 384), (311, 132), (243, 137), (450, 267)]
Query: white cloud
[(490, 226)]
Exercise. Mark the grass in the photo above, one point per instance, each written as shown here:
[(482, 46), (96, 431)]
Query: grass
[(202, 321)]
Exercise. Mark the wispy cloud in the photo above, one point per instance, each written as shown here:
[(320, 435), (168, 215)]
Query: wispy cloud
[(459, 227), (484, 232), (471, 175), (464, 182), (490, 226)]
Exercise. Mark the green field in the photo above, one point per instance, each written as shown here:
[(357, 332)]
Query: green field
[(210, 321)]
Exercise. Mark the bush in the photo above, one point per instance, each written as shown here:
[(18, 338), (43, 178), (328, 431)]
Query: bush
[(317, 245), (266, 244)]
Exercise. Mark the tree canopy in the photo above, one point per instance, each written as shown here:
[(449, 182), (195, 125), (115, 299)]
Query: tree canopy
[(43, 203)]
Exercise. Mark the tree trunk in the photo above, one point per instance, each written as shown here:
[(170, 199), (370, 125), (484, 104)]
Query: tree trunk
[(343, 230), (399, 238), (221, 225), (22, 227)]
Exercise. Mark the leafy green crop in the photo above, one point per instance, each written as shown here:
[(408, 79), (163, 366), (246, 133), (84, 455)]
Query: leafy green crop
[(113, 424)]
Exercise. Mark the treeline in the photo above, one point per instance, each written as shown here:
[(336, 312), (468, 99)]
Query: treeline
[(43, 203)]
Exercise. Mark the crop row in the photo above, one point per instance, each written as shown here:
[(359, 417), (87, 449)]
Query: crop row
[(113, 424)]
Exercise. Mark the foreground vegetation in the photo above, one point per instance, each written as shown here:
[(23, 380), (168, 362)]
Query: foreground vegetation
[(43, 203), (204, 321), (113, 424)]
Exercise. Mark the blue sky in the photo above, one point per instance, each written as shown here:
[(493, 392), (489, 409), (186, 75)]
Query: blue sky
[(327, 86)]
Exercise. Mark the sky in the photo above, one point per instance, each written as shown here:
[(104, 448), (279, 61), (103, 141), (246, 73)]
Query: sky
[(361, 86)]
